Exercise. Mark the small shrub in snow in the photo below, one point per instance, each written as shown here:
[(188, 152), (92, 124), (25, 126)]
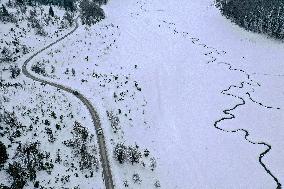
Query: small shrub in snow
[(65, 179), (6, 55), (50, 135), (53, 114), (157, 184), (58, 158), (46, 122), (114, 121), (125, 184), (136, 178), (58, 127), (153, 164), (15, 71), (146, 152), (39, 68)]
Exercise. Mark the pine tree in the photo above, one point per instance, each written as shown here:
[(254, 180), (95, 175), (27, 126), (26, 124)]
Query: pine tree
[(15, 71), (120, 153), (20, 2), (9, 3), (6, 55), (29, 2), (4, 11), (3, 153), (69, 5), (51, 12), (69, 17), (91, 13), (134, 154)]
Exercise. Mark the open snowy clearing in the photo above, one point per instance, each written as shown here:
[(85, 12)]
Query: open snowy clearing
[(184, 94)]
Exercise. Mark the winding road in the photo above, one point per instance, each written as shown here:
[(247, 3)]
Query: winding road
[(96, 121)]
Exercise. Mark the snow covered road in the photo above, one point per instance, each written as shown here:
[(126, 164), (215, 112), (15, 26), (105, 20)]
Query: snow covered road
[(107, 176)]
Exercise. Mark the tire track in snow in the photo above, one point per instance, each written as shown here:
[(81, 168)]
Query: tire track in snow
[(228, 112)]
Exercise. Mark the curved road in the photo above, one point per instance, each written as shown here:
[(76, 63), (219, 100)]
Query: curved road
[(96, 121)]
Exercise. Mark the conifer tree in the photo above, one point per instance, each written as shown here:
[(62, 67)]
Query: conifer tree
[(51, 12), (4, 11), (20, 2), (3, 153)]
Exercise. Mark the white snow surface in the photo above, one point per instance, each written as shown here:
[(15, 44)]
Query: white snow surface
[(183, 94), (150, 42)]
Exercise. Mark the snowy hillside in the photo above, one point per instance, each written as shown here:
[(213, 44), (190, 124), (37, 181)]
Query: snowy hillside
[(182, 98)]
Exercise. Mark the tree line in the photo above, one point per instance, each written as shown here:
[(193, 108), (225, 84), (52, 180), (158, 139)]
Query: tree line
[(90, 10), (67, 4), (261, 16)]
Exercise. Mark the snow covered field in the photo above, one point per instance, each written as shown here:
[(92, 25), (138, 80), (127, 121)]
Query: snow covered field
[(169, 77), (184, 94)]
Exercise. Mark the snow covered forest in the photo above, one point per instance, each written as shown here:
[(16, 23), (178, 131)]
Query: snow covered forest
[(141, 94), (259, 16)]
